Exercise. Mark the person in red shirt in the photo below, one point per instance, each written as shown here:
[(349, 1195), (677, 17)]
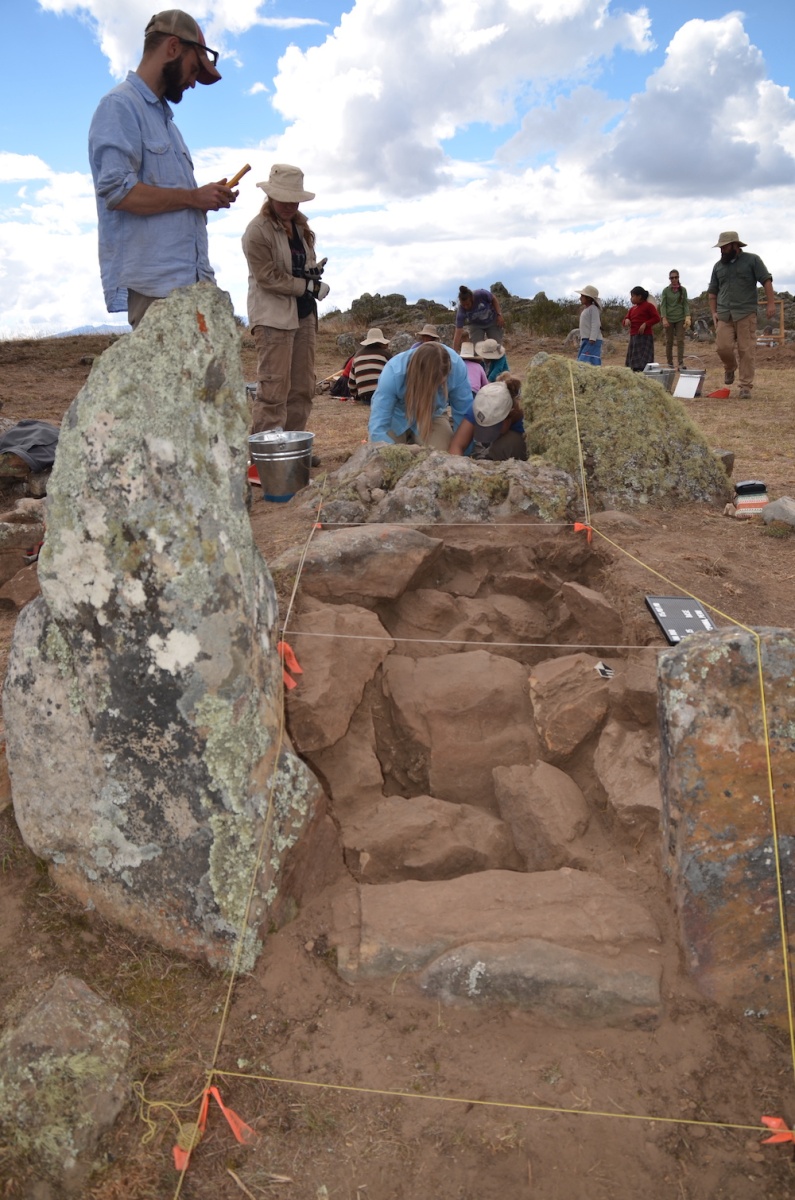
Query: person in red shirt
[(640, 320)]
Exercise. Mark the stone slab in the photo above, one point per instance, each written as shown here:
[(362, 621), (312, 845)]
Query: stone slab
[(717, 818)]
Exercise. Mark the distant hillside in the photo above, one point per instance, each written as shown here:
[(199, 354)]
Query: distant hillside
[(83, 329)]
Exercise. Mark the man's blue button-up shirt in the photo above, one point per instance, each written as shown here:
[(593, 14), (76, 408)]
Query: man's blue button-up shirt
[(133, 139)]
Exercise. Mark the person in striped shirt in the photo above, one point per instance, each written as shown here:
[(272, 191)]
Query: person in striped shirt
[(368, 363)]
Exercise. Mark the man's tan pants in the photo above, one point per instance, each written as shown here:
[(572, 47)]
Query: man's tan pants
[(740, 336)]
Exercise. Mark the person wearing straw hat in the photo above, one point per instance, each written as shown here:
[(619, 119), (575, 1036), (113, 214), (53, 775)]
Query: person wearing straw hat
[(493, 428), (733, 303), (368, 363), (494, 358), (151, 215), (474, 366), (284, 285), (590, 327), (428, 333)]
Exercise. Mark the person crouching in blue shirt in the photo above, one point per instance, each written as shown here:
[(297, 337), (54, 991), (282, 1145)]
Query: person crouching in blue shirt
[(493, 427), (414, 389)]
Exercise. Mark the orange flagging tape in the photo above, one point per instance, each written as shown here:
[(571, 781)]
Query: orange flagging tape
[(580, 528), (783, 1131), (289, 663), (243, 1132)]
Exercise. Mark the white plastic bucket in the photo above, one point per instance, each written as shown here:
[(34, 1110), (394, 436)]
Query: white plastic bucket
[(282, 460)]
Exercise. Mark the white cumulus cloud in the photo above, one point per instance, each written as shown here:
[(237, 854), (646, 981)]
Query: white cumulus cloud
[(709, 121)]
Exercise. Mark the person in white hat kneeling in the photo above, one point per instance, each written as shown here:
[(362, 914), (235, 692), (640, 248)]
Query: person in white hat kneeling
[(493, 426), (284, 284)]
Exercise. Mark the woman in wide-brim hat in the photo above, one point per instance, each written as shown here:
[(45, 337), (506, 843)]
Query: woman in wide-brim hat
[(284, 285), (590, 327), (495, 360)]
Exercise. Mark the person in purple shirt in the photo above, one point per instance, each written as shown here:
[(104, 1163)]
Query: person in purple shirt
[(474, 365), (151, 213), (479, 312)]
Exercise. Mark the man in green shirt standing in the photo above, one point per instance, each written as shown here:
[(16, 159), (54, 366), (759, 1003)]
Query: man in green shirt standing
[(675, 312), (733, 302)]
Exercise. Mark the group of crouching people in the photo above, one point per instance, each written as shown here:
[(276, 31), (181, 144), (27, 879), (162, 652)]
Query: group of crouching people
[(432, 395)]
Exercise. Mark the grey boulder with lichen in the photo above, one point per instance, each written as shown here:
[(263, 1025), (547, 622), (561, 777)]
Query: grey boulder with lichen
[(63, 1082), (143, 699)]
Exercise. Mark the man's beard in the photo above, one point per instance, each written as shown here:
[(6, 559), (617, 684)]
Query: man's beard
[(173, 87), (727, 253)]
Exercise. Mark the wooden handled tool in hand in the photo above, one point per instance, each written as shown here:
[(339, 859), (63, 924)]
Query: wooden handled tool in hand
[(235, 180)]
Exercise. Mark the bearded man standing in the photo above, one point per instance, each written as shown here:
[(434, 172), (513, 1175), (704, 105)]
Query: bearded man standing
[(733, 302), (151, 213)]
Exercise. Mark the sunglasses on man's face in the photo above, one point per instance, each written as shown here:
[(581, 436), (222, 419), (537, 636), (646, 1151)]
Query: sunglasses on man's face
[(205, 50)]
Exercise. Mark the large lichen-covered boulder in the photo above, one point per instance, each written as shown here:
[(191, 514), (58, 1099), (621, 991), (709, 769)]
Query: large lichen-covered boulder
[(638, 444), (63, 1082), (409, 483), (143, 700)]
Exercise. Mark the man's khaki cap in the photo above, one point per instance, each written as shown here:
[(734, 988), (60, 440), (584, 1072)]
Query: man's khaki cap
[(177, 23)]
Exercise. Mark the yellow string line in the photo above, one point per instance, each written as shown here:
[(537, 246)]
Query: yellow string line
[(391, 1093), (782, 912), (266, 828), (373, 637), (585, 502)]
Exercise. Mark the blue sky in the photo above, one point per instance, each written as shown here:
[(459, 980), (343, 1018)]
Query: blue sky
[(544, 143)]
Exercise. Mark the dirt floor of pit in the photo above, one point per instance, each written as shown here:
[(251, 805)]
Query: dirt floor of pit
[(295, 1019)]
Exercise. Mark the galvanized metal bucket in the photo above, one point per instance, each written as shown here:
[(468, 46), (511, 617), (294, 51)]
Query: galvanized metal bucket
[(663, 375), (699, 372), (282, 459)]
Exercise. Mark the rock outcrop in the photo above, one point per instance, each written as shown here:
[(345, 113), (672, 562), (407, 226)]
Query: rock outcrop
[(408, 483), (638, 444), (143, 696)]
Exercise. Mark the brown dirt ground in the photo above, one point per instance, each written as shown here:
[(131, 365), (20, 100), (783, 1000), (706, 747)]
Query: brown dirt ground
[(528, 1111)]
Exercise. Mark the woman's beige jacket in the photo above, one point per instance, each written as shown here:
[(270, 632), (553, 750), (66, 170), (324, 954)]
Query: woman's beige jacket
[(272, 287)]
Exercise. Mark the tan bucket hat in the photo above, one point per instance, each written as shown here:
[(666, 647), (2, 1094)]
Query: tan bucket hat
[(286, 183), (430, 332), (490, 407), (491, 349), (591, 292), (730, 235), (177, 23), (374, 337)]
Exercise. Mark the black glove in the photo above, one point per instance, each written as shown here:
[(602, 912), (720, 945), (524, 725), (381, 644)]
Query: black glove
[(317, 288)]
